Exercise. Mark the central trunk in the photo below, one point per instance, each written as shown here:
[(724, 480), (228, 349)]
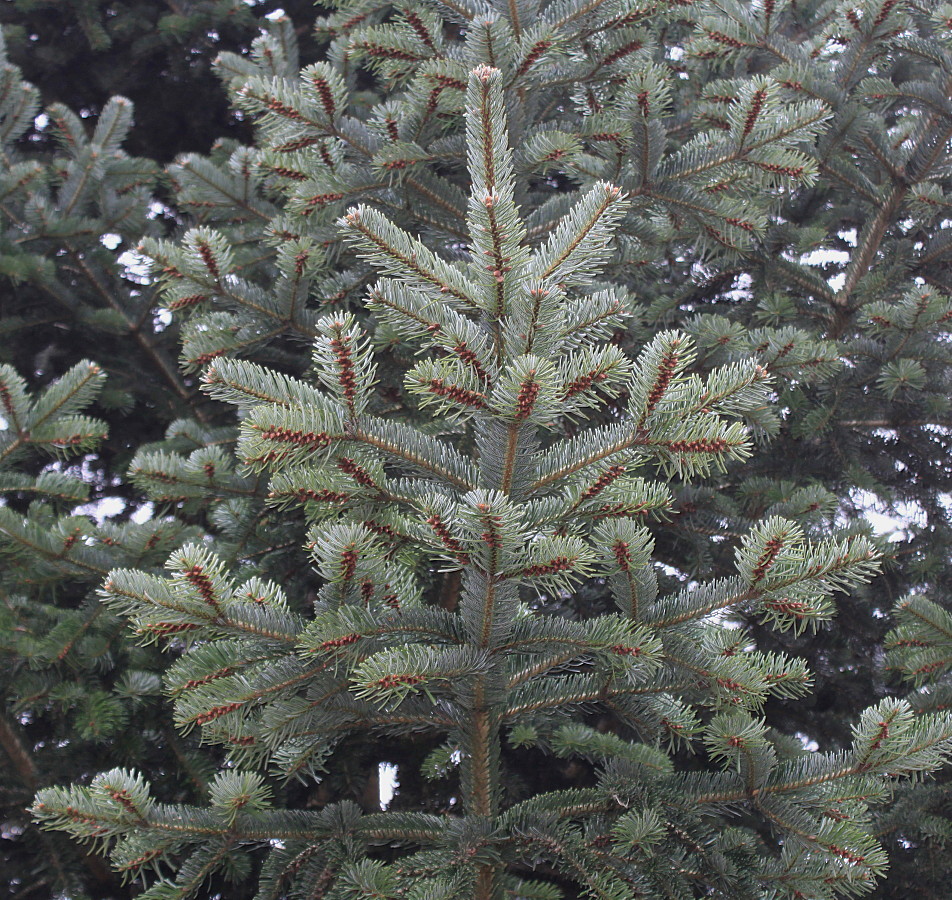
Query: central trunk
[(504, 448)]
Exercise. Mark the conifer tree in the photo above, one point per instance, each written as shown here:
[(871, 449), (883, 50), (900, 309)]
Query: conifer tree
[(67, 680), (803, 286), (743, 139), (75, 692), (69, 212), (81, 53), (71, 685), (517, 337)]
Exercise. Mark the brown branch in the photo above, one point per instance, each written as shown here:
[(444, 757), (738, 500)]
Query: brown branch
[(17, 752), (889, 423), (164, 367), (902, 183)]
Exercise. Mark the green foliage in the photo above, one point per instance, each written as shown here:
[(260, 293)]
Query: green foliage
[(82, 52), (66, 670), (497, 496), (566, 342)]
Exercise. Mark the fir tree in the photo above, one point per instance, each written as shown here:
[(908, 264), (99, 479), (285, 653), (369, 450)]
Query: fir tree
[(70, 685), (68, 680), (81, 53), (75, 692), (69, 213), (743, 138), (850, 433), (517, 337)]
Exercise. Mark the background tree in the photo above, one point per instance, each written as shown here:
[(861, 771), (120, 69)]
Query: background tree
[(68, 289), (81, 53), (75, 692)]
